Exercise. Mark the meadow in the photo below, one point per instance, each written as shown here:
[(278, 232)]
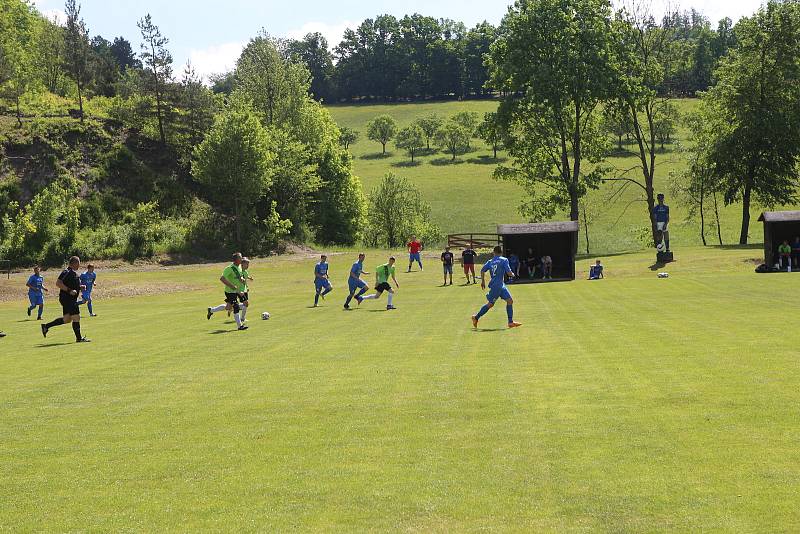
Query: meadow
[(628, 404), (465, 197)]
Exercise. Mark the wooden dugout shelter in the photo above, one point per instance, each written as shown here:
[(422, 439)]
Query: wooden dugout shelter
[(778, 226), (559, 240)]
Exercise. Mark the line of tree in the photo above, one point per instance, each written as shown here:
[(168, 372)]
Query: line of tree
[(419, 57)]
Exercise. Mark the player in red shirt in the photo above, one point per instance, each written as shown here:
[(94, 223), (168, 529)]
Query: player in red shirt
[(414, 247)]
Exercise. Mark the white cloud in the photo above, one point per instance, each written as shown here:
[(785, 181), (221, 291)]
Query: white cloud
[(216, 59), (332, 32), (55, 14)]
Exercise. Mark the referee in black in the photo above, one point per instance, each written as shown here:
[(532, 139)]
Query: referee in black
[(70, 285)]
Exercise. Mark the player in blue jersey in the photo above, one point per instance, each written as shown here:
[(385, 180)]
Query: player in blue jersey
[(88, 280), (498, 268), (322, 283), (36, 288), (355, 283)]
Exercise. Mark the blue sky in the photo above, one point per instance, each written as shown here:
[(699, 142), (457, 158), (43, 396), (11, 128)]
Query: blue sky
[(212, 33)]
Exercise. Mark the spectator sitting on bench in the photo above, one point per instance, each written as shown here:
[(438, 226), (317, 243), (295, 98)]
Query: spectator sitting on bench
[(785, 253), (530, 263), (547, 267), (513, 262), (596, 271), (796, 252)]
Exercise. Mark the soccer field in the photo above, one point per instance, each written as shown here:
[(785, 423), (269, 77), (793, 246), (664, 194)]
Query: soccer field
[(628, 404)]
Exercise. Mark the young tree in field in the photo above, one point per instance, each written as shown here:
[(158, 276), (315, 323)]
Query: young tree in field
[(157, 61), (489, 131), (76, 46), (234, 164), (615, 122), (382, 129), (17, 44), (430, 124), (453, 138), (395, 211), (411, 139), (469, 120), (347, 137), (558, 54), (752, 114), (666, 123)]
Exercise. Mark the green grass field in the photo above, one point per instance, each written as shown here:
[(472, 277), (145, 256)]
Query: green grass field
[(465, 197), (629, 404)]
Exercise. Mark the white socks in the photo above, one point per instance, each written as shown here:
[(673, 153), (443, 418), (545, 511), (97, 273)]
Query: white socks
[(238, 319), (369, 297), (243, 312), (219, 308), (391, 298)]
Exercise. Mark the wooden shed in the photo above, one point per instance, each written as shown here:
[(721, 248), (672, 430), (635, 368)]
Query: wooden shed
[(778, 226), (559, 240)]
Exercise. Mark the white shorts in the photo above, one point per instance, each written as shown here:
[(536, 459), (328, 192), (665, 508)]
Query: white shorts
[(661, 226)]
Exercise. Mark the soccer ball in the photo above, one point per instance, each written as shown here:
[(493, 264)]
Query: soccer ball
[(660, 247), (265, 315)]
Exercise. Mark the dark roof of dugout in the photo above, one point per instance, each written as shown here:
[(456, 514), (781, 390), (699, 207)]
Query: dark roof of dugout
[(780, 216), (538, 228)]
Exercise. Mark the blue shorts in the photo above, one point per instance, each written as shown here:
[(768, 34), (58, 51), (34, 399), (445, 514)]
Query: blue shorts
[(322, 283), (415, 257), (355, 284), (448, 269), (86, 295), (37, 299), (497, 293)]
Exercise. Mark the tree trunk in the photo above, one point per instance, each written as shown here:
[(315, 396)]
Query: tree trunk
[(586, 230), (702, 212), (80, 101), (746, 212), (495, 151), (384, 147), (160, 120), (19, 114), (716, 215), (576, 166), (238, 223)]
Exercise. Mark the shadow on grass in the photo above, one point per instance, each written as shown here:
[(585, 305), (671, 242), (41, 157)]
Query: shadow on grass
[(47, 345), (216, 332), (486, 160), (377, 155), (441, 162), (749, 246), (415, 163), (481, 330)]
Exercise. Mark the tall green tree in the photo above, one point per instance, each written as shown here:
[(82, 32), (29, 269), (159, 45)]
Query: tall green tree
[(347, 137), (396, 210), (157, 60), (382, 129), (752, 115), (313, 52), (77, 47), (235, 165), (17, 46), (557, 55)]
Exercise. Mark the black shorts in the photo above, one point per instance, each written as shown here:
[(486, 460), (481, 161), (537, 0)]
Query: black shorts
[(383, 286), (233, 300), (70, 307), (244, 297)]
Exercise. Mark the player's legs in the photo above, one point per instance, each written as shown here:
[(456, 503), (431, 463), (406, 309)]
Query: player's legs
[(666, 238), (472, 270), (41, 311), (410, 262), (89, 305), (390, 297), (510, 309)]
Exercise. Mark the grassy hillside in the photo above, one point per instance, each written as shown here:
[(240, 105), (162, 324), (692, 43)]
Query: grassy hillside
[(630, 404), (465, 197)]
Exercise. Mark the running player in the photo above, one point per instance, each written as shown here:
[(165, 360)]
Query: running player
[(354, 281), (382, 274), (36, 288), (414, 248), (499, 269), (232, 280), (88, 281), (322, 283), (69, 285)]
